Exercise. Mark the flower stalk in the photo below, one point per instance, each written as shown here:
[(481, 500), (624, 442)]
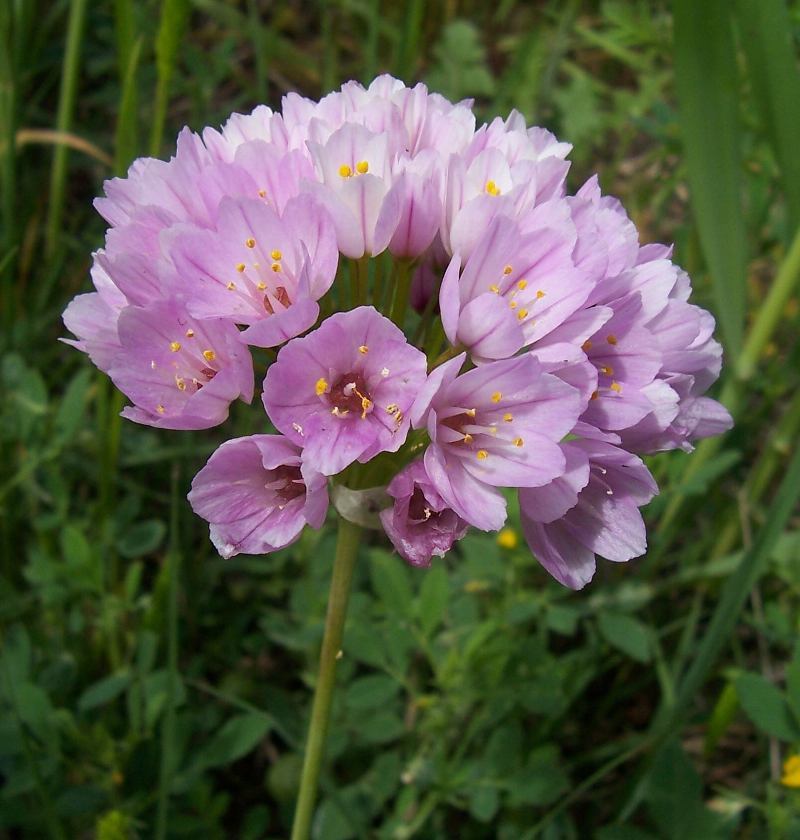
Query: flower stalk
[(344, 563)]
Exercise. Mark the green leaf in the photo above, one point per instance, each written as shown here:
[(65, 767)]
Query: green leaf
[(390, 581), (675, 798), (721, 717), (142, 538), (70, 414), (767, 38), (104, 691), (434, 594), (483, 803), (707, 83), (793, 681), (371, 692), (766, 707), (626, 634), (460, 63), (235, 738)]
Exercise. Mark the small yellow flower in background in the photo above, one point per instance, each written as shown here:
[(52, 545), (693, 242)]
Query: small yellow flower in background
[(791, 772), (508, 538)]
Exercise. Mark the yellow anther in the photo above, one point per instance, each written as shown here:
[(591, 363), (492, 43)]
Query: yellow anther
[(539, 294), (362, 167), (366, 405), (467, 438), (262, 193), (240, 267), (481, 454), (513, 305), (493, 430), (508, 417), (209, 355), (494, 288), (231, 286), (507, 270), (321, 387), (276, 267), (492, 188), (522, 284), (470, 412), (250, 242), (160, 409), (180, 383), (261, 286), (611, 339), (522, 314), (392, 408), (518, 442), (345, 171), (276, 255), (190, 333), (363, 349), (174, 346), (586, 346), (496, 397), (607, 370), (616, 387), (507, 538)]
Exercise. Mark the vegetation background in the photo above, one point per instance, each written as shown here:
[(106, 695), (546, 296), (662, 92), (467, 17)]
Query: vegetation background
[(149, 689)]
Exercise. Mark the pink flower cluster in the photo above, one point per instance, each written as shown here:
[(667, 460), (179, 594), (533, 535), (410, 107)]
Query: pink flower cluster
[(565, 348)]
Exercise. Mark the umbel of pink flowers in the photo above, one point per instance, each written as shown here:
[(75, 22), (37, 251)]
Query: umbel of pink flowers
[(550, 348)]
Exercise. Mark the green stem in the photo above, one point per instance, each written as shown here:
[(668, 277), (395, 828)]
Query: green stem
[(402, 287), (66, 106), (167, 769), (343, 565)]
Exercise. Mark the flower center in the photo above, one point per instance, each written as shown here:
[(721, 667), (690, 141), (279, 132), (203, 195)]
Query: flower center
[(349, 393), (287, 483), (418, 509)]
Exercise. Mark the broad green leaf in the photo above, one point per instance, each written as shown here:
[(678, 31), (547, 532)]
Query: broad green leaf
[(793, 681), (721, 717), (483, 803), (70, 414), (767, 707), (235, 738), (104, 691), (434, 594), (141, 538), (626, 634), (707, 82), (390, 581), (371, 692)]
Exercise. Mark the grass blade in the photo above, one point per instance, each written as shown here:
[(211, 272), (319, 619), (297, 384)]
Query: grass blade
[(126, 140), (735, 592), (707, 85), (174, 17), (766, 35), (66, 107)]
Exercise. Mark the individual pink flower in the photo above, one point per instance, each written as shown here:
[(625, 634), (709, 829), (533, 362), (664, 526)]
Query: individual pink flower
[(259, 268), (258, 495), (514, 289), (591, 508), (495, 426), (420, 524), (343, 391), (179, 372)]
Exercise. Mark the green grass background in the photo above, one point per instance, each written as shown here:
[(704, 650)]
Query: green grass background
[(149, 689)]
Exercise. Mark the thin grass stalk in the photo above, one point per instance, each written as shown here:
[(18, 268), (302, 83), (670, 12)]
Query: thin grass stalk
[(66, 108), (408, 48), (126, 137), (167, 768), (328, 70)]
